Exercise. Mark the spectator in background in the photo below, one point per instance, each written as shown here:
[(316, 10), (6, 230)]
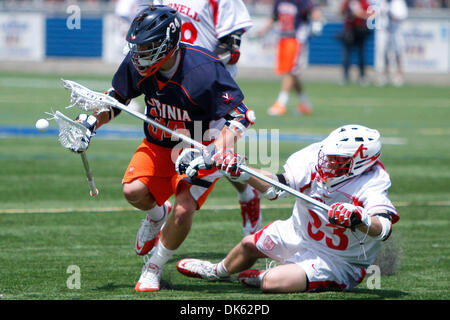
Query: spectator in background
[(293, 17), (393, 12), (354, 34)]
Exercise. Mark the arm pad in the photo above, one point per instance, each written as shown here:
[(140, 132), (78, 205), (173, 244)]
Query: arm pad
[(386, 227), (239, 119)]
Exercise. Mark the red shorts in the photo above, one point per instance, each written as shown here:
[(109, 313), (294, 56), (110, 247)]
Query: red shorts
[(288, 53), (154, 166)]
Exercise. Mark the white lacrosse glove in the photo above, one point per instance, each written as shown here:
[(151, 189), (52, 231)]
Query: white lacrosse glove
[(273, 193), (228, 162), (89, 122), (191, 160), (348, 215)]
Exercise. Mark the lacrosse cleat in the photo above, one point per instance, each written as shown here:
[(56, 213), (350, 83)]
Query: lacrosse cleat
[(304, 108), (277, 109), (196, 268), (149, 232), (252, 277), (150, 278), (251, 214)]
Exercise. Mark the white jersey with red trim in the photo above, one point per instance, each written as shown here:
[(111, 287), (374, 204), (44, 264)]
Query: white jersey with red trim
[(128, 9), (206, 21), (368, 190)]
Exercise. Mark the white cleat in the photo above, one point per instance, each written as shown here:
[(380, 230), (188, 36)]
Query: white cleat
[(149, 232), (196, 268), (150, 278)]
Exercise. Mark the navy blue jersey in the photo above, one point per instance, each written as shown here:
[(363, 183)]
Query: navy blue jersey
[(195, 98), (291, 14)]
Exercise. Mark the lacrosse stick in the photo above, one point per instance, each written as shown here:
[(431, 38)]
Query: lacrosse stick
[(71, 136), (89, 100), (283, 187)]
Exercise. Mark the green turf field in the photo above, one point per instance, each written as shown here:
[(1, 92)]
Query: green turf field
[(48, 222)]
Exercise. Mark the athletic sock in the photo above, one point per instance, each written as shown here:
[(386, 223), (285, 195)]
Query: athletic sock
[(161, 255), (246, 195), (303, 98), (221, 270), (283, 98), (156, 213)]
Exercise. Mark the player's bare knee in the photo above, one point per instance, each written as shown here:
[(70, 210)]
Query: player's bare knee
[(134, 192), (183, 211), (286, 278), (271, 283), (248, 245), (129, 192)]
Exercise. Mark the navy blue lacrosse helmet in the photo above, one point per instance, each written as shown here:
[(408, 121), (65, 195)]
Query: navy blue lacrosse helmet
[(153, 38)]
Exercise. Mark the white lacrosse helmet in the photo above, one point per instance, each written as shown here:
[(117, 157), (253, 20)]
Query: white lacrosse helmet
[(347, 152)]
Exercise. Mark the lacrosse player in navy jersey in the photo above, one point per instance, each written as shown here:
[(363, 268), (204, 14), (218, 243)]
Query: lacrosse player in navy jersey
[(187, 89), (219, 26)]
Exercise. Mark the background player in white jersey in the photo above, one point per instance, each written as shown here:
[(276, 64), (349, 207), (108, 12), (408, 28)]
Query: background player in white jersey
[(394, 12), (218, 26), (125, 11), (318, 250)]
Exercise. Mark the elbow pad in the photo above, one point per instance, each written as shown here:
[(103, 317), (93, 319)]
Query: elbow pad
[(239, 119), (228, 49)]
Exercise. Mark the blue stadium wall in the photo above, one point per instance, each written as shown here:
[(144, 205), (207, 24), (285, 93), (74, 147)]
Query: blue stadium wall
[(327, 49), (87, 42)]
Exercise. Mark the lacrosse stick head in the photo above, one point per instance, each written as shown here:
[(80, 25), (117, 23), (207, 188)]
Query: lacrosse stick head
[(72, 135), (87, 99)]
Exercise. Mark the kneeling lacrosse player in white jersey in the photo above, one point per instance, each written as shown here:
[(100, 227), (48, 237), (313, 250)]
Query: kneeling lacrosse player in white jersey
[(318, 249)]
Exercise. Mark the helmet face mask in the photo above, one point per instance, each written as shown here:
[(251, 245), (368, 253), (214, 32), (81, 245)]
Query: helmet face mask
[(148, 56), (347, 152), (333, 166), (153, 38)]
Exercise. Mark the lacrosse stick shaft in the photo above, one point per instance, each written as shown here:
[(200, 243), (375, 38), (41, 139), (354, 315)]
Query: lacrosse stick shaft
[(283, 187), (90, 177), (95, 97), (200, 146), (250, 171), (141, 116)]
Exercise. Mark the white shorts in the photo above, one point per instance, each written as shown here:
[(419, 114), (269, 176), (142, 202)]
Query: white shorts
[(280, 242)]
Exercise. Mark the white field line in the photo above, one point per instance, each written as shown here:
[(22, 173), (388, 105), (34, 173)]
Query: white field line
[(206, 207), (39, 83)]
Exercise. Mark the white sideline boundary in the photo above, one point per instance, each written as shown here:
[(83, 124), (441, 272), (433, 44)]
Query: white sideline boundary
[(206, 207)]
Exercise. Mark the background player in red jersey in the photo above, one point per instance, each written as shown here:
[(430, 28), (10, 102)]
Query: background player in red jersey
[(178, 95)]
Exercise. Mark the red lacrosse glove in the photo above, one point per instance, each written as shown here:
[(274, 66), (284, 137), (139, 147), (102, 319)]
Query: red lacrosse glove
[(227, 162), (347, 215)]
